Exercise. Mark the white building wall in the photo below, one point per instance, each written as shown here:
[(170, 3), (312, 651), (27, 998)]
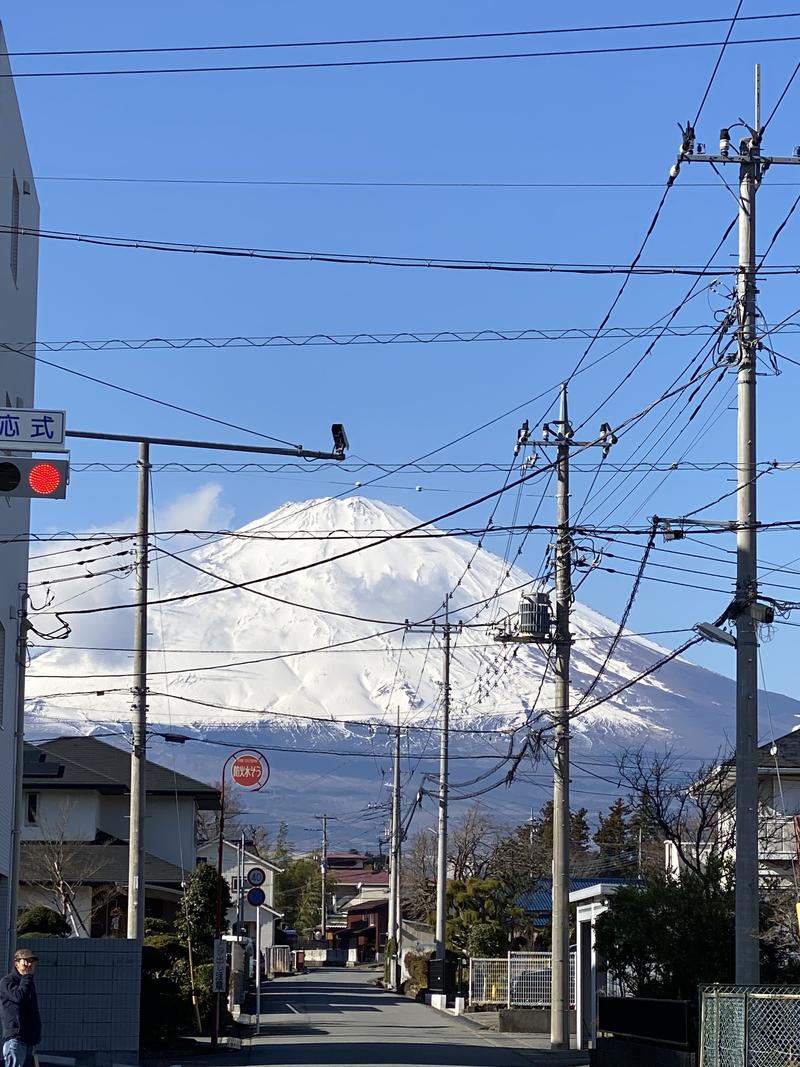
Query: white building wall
[(62, 816), (18, 318), (81, 919), (169, 829)]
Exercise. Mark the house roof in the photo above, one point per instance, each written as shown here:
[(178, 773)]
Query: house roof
[(94, 864), (540, 898), (210, 850), (367, 904), (787, 756), (346, 876), (92, 764)]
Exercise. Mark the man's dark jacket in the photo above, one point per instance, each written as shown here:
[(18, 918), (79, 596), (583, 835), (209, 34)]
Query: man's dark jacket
[(19, 1008)]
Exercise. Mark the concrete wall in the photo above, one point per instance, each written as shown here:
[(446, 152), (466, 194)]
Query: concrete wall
[(168, 833), (63, 816), (89, 999), (18, 316)]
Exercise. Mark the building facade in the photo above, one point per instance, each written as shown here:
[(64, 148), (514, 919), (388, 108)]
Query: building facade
[(76, 798), (233, 864), (19, 209)]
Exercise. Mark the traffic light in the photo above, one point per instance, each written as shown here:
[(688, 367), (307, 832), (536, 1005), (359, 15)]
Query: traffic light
[(34, 478)]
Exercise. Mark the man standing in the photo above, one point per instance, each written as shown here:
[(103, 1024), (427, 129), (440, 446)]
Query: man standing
[(19, 1011)]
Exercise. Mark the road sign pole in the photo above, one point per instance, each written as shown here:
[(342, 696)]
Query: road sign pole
[(258, 971)]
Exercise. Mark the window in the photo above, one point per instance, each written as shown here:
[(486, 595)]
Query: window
[(234, 884), (14, 227), (31, 809)]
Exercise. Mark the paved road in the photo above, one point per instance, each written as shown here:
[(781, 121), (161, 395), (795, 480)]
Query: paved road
[(336, 1017)]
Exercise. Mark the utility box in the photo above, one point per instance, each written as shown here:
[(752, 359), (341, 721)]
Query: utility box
[(534, 616)]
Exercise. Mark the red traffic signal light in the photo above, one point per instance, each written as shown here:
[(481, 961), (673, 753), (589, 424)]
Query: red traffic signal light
[(34, 478)]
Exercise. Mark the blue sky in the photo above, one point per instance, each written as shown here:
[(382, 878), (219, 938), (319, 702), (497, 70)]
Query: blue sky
[(589, 119)]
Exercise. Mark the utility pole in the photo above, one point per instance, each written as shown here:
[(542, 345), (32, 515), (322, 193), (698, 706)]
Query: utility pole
[(746, 895), (19, 795), (441, 855), (323, 867), (136, 872), (745, 610), (559, 1008), (395, 910), (537, 630)]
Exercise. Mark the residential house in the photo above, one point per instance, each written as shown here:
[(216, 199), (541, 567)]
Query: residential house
[(76, 795), (359, 916), (779, 808), (19, 210), (234, 864)]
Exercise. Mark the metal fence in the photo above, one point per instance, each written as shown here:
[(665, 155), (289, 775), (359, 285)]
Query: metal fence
[(520, 980), (750, 1026), (280, 959)]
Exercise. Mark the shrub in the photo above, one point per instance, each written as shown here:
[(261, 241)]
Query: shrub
[(42, 922), (417, 967)]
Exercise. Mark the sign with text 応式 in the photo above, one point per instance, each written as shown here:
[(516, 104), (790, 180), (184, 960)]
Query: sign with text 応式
[(31, 430)]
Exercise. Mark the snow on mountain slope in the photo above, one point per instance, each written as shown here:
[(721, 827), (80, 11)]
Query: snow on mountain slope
[(238, 656)]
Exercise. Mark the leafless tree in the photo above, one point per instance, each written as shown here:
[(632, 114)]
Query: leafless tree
[(471, 845), (691, 810), (58, 867)]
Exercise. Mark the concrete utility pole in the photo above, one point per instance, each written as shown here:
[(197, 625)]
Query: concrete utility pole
[(560, 434), (746, 908), (323, 867), (136, 873), (441, 855), (19, 795), (559, 1006), (395, 909), (745, 610)]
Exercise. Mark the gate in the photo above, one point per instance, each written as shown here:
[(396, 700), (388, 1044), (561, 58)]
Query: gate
[(519, 980), (749, 1026)]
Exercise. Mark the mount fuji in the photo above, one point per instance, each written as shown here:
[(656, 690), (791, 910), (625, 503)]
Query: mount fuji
[(306, 664)]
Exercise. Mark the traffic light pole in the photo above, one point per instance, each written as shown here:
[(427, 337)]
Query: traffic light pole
[(136, 849)]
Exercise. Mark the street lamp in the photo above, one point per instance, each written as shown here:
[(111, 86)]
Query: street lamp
[(715, 634)]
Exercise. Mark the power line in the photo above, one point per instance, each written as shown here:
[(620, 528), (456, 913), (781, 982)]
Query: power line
[(358, 183), (570, 333), (394, 40), (144, 396), (402, 61), (429, 262)]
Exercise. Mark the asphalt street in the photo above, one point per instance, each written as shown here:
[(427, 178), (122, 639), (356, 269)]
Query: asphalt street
[(337, 1018)]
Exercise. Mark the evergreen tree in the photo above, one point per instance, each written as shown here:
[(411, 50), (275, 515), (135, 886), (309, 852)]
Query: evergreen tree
[(613, 836), (197, 916)]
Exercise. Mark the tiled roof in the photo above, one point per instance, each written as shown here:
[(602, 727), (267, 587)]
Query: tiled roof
[(95, 864), (92, 764), (540, 898), (351, 877)]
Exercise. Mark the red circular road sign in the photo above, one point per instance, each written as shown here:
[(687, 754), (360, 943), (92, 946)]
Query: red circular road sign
[(250, 771)]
